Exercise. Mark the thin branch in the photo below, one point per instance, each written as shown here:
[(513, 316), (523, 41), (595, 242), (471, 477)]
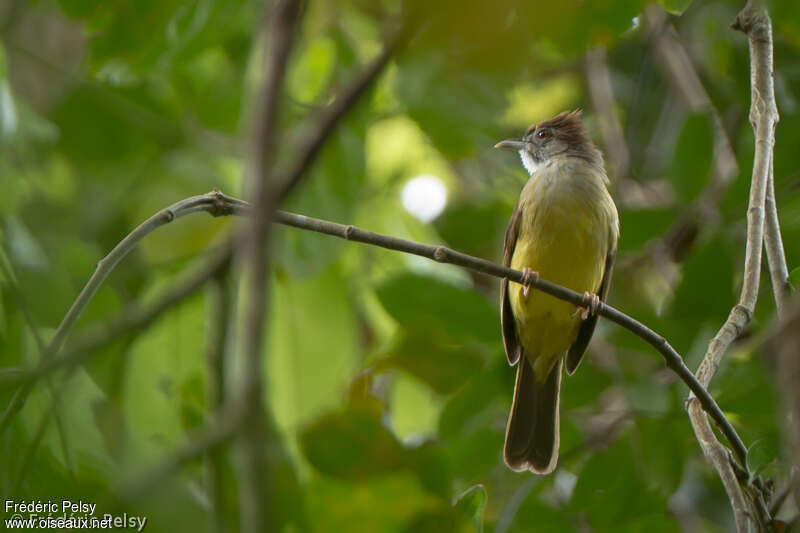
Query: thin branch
[(220, 307), (598, 79), (785, 343), (778, 272), (329, 117), (677, 65), (755, 23), (209, 203), (131, 319), (106, 265), (254, 475), (718, 456), (227, 205), (207, 438), (18, 400)]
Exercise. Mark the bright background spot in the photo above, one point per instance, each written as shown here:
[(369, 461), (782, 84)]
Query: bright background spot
[(424, 197)]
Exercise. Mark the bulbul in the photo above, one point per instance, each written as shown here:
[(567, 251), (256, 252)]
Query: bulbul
[(565, 229)]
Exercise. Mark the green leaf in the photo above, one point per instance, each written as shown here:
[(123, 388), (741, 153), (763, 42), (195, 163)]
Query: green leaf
[(472, 503), (794, 278), (352, 445), (388, 503), (676, 7), (690, 167), (610, 492), (442, 366), (759, 455), (427, 304)]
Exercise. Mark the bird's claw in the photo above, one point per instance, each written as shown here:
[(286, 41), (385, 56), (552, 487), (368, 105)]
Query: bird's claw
[(529, 277), (591, 303)]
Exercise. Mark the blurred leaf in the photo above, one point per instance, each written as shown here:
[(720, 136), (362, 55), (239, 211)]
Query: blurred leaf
[(162, 360), (428, 304), (387, 503), (414, 409), (444, 367), (313, 349), (676, 7), (705, 292), (584, 387), (664, 444), (638, 226), (352, 445), (474, 228), (690, 166), (476, 404), (548, 519), (436, 96), (794, 278), (759, 454), (610, 493), (472, 503)]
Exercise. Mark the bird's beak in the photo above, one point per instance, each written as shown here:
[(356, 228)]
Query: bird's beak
[(511, 144)]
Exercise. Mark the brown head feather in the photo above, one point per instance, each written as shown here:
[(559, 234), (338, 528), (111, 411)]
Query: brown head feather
[(570, 131)]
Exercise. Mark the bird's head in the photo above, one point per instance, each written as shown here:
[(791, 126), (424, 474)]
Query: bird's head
[(562, 135)]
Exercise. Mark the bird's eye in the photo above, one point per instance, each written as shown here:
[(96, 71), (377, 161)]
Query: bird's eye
[(542, 134)]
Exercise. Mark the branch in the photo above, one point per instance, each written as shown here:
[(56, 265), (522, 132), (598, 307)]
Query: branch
[(221, 308), (679, 71), (227, 205), (754, 22), (785, 344), (598, 78), (209, 203), (778, 272), (329, 117), (248, 393), (207, 438), (677, 65)]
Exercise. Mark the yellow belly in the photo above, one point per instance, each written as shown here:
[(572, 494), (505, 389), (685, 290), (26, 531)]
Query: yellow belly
[(563, 237)]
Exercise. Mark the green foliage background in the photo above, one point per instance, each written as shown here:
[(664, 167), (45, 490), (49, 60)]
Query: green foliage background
[(386, 378)]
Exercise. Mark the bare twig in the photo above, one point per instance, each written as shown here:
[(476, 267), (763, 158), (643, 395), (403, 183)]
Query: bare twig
[(209, 437), (208, 203), (220, 310), (320, 130), (786, 345), (779, 273), (107, 264), (227, 205), (131, 319), (598, 79), (254, 475), (181, 208), (755, 23), (679, 71)]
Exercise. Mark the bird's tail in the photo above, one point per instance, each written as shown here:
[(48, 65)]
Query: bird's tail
[(532, 433)]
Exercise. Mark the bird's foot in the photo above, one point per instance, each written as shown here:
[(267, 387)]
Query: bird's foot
[(590, 303), (529, 277)]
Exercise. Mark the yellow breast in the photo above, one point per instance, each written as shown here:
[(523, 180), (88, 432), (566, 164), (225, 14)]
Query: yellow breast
[(568, 223)]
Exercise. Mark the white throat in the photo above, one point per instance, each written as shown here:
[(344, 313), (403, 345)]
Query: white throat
[(530, 164)]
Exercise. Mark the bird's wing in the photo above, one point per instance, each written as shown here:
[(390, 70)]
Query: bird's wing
[(510, 339), (578, 348)]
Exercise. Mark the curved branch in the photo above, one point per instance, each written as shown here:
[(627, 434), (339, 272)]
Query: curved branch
[(218, 203)]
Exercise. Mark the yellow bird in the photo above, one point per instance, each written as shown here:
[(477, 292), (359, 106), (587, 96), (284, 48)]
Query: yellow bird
[(565, 229)]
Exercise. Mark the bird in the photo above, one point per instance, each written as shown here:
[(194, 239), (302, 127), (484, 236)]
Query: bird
[(564, 229)]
